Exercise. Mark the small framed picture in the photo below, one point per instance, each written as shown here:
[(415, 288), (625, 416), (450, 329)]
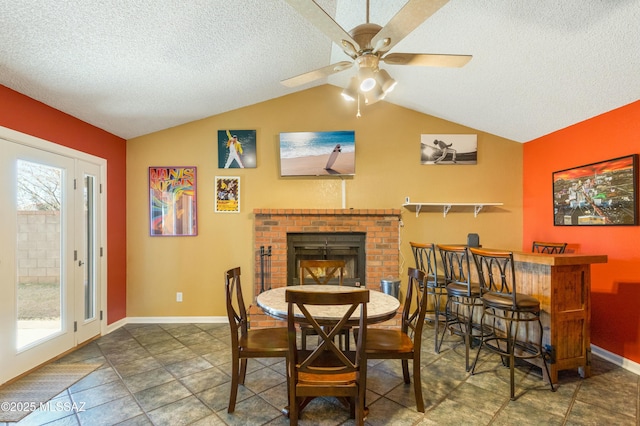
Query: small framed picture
[(236, 149), (227, 194)]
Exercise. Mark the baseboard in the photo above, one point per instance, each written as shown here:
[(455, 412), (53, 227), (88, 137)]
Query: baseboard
[(627, 364), (165, 320), (114, 326), (177, 320)]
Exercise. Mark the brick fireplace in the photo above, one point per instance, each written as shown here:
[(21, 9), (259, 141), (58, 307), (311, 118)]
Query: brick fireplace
[(382, 241)]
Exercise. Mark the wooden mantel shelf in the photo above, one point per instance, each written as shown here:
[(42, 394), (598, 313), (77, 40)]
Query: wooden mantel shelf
[(417, 207)]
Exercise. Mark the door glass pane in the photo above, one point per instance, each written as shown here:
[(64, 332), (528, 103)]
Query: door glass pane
[(39, 248), (89, 238)]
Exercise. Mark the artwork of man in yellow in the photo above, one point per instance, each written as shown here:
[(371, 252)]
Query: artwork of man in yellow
[(235, 150)]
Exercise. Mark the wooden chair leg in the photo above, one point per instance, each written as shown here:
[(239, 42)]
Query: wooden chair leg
[(243, 370), (417, 384), (405, 371), (293, 411), (233, 392)]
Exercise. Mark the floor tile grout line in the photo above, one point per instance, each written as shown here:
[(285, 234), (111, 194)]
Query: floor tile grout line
[(574, 397), (164, 366), (121, 379)]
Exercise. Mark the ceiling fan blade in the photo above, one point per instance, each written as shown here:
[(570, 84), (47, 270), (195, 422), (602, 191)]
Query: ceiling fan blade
[(412, 14), (310, 76), (426, 59), (324, 22)]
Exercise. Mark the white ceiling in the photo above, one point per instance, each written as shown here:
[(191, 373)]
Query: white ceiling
[(132, 67)]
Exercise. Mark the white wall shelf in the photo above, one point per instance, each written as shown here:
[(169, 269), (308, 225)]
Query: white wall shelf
[(418, 207)]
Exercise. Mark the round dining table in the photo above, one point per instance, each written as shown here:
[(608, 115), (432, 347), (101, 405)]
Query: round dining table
[(381, 306)]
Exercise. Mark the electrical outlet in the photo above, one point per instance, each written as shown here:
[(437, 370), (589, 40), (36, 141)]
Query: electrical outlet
[(178, 297)]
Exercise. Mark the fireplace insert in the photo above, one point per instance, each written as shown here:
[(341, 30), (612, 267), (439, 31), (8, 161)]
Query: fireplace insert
[(349, 247)]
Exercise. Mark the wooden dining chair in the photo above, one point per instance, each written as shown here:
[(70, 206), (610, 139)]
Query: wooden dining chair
[(404, 342), (322, 272), (435, 286), (246, 343), (507, 314), (549, 248), (327, 370)]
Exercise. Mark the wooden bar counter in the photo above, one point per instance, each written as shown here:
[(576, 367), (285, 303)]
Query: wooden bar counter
[(562, 283)]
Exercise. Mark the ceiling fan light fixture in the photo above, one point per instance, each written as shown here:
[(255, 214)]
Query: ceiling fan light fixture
[(367, 79), (374, 95), (350, 92), (386, 82)]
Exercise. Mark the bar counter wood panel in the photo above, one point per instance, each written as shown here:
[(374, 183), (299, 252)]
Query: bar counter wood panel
[(562, 283)]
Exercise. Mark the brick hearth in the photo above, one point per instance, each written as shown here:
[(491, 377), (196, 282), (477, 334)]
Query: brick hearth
[(271, 227)]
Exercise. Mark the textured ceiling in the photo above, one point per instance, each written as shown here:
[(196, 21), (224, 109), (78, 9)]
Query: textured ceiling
[(135, 67)]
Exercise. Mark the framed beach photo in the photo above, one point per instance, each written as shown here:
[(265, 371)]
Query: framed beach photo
[(448, 149), (318, 153), (237, 149), (597, 194), (227, 194), (172, 201)]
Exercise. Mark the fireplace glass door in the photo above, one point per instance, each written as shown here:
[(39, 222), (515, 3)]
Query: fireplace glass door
[(349, 247)]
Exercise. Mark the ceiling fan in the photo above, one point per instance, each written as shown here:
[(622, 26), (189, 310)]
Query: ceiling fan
[(367, 45)]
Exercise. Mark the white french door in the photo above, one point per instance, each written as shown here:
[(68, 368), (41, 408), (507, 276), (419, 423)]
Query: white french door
[(50, 263), (87, 253)]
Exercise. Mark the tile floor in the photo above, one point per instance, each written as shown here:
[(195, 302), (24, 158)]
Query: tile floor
[(172, 374)]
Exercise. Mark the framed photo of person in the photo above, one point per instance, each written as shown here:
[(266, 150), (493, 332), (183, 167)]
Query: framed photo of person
[(236, 149), (227, 197), (448, 149)]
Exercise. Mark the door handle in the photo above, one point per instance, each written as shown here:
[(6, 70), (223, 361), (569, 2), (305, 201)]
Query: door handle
[(80, 263)]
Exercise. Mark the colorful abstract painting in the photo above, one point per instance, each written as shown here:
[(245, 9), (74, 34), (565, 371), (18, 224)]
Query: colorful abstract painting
[(172, 201)]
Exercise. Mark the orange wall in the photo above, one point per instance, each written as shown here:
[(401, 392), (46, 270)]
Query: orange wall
[(615, 320), (23, 114)]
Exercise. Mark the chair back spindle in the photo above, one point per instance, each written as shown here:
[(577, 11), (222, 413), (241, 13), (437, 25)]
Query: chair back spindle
[(456, 265), (496, 273), (549, 248)]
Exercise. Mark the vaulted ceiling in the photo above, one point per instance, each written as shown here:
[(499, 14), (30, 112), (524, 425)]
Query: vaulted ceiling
[(135, 67)]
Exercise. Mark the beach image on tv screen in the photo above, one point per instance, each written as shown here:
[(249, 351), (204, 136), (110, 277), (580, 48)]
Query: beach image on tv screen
[(317, 153)]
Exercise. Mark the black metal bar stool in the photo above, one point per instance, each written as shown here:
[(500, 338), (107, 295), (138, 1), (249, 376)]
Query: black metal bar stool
[(434, 287), (463, 296), (506, 313)]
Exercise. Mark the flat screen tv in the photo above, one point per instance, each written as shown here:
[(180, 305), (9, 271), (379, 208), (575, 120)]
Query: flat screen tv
[(317, 153)]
